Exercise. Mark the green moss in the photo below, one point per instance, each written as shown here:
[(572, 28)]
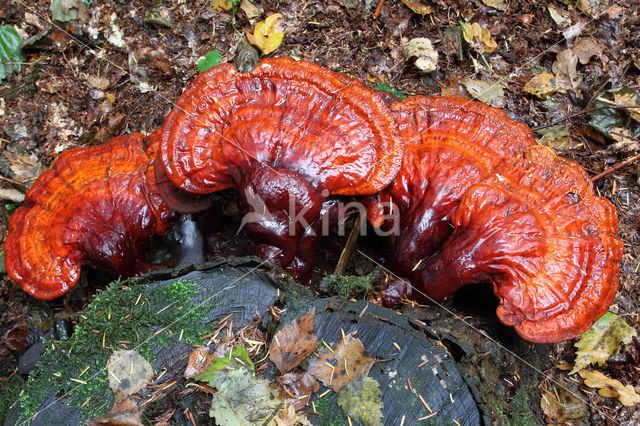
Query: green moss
[(327, 408), (351, 285), (124, 315), (9, 391)]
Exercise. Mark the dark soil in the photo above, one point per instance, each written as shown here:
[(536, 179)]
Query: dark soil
[(55, 103)]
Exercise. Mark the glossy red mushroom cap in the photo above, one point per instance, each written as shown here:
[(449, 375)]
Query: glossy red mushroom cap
[(284, 114), (449, 145), (535, 229), (89, 208)]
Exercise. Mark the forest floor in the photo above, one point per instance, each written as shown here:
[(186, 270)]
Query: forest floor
[(118, 66)]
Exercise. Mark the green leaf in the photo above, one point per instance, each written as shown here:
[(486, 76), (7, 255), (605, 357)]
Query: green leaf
[(242, 398), (219, 365), (391, 89), (602, 341), (212, 58), (608, 118), (11, 56), (361, 400)]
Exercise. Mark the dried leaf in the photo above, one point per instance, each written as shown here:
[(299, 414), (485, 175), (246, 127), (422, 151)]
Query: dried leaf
[(560, 17), (348, 362), (479, 38), (25, 167), (496, 4), (267, 35), (250, 9), (125, 413), (418, 7), (361, 400), (567, 408), (625, 141), (11, 194), (541, 85), (588, 48), (298, 386), (199, 360), (128, 372), (602, 341), (489, 93), (565, 69), (222, 5), (610, 388), (556, 137), (294, 342), (629, 100), (289, 417), (593, 8), (420, 49)]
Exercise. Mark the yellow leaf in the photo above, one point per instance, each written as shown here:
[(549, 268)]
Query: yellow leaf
[(628, 100), (267, 34), (272, 43), (222, 4), (541, 85), (479, 38), (602, 341), (418, 7), (609, 387)]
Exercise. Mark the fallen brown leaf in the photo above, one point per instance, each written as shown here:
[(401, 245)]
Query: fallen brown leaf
[(565, 69), (348, 362), (294, 342), (610, 388), (418, 7), (125, 413)]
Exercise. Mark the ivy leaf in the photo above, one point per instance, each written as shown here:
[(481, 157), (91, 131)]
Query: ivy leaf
[(11, 56), (212, 59), (602, 341)]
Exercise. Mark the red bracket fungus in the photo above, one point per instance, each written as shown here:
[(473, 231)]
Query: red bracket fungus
[(450, 144), (92, 208), (286, 135), (535, 229)]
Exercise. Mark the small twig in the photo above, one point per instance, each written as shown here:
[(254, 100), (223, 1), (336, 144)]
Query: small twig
[(378, 9), (348, 247), (616, 167)]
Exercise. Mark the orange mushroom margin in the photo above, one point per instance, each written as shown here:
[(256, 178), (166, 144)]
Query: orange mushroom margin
[(536, 230), (89, 208)]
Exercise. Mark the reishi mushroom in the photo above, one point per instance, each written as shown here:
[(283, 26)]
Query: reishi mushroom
[(286, 135), (449, 145), (92, 208), (535, 229)]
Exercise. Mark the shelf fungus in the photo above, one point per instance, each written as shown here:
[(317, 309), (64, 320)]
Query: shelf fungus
[(286, 136), (535, 229), (92, 208), (449, 145)]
